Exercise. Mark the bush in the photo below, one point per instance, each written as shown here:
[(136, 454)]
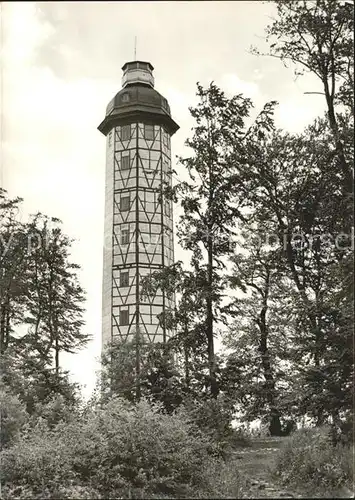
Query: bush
[(213, 418), (12, 417), (223, 480), (67, 492), (134, 449), (36, 465), (239, 438), (120, 450), (309, 460)]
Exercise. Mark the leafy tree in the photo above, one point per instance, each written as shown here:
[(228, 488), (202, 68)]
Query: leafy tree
[(13, 244), (39, 285), (257, 341), (27, 377), (55, 297), (212, 203), (162, 380), (158, 379), (296, 192), (118, 375), (318, 37)]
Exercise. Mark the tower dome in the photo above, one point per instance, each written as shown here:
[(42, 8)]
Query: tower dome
[(138, 225), (138, 100)]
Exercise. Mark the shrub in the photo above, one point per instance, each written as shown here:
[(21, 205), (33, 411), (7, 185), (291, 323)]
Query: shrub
[(67, 492), (120, 450), (36, 465), (223, 480), (56, 409), (213, 418), (310, 461), (130, 449), (12, 417)]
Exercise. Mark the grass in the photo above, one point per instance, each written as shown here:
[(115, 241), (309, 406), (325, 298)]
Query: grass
[(310, 462)]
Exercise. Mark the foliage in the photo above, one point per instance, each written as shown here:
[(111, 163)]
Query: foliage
[(158, 380), (122, 450), (13, 417), (295, 198), (257, 341), (41, 299), (310, 462), (212, 417), (12, 265), (55, 298), (223, 480), (222, 147), (318, 37), (25, 375)]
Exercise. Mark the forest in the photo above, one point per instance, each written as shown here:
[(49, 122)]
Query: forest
[(267, 223)]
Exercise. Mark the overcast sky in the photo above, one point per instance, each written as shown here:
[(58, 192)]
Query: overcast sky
[(61, 65)]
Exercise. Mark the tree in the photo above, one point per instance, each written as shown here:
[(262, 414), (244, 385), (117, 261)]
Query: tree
[(318, 37), (118, 375), (212, 203), (297, 192), (55, 297), (255, 374), (13, 246), (26, 375), (38, 284), (12, 416), (158, 379)]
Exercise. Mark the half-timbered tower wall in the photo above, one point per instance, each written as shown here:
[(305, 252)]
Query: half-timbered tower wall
[(138, 219)]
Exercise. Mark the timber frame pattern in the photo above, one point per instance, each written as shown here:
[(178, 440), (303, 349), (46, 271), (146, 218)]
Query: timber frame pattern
[(138, 231)]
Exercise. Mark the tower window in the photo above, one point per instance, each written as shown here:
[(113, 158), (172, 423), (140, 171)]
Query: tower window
[(125, 132), (124, 236), (125, 161), (165, 139), (125, 97), (124, 317), (125, 202), (124, 278), (110, 139), (149, 132)]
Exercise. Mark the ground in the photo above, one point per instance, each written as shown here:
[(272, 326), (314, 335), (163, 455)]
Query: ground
[(256, 462)]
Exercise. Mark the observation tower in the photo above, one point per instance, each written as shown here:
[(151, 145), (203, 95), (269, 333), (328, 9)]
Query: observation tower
[(138, 227)]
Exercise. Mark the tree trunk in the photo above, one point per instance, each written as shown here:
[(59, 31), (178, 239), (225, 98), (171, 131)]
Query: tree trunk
[(4, 325), (138, 353), (56, 348), (348, 177), (2, 328), (309, 310), (209, 320), (274, 420), (186, 362)]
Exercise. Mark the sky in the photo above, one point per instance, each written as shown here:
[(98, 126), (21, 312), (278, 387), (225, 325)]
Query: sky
[(61, 65)]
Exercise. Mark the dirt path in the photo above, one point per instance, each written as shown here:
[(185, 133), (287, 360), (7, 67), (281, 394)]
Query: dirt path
[(256, 462)]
